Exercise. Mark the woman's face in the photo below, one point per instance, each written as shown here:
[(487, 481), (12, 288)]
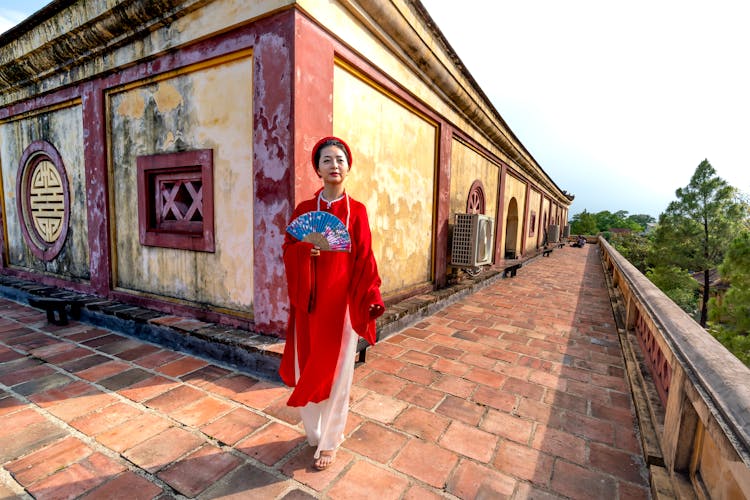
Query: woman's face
[(333, 165)]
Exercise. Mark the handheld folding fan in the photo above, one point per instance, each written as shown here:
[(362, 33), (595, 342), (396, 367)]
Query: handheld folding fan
[(324, 230)]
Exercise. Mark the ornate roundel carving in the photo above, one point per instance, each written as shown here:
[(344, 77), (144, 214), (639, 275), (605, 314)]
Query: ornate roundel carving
[(43, 199), (475, 202)]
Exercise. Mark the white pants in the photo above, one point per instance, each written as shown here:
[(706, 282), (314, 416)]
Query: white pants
[(324, 422)]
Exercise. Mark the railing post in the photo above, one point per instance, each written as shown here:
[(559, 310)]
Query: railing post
[(680, 422), (631, 312)]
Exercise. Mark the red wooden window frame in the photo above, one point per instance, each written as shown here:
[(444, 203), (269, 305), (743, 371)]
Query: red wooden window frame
[(161, 221)]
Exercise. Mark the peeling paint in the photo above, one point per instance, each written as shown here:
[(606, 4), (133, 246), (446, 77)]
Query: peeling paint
[(169, 141), (208, 108), (63, 129), (132, 105), (274, 114), (167, 97)]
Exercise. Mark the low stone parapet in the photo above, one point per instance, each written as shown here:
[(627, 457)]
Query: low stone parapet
[(691, 394)]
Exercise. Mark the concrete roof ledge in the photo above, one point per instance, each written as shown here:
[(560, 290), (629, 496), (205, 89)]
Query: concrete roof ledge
[(67, 33)]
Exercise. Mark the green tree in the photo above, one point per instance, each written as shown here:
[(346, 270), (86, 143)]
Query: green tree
[(583, 223), (635, 247), (695, 230), (606, 220), (643, 220), (729, 314), (677, 284)]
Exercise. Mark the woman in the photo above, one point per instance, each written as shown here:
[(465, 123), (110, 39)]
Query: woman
[(334, 298)]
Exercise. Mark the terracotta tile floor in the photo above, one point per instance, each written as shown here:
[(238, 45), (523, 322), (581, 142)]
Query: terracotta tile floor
[(516, 391)]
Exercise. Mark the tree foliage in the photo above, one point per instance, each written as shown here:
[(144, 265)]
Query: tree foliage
[(677, 284), (643, 220), (697, 227), (588, 223), (583, 223), (635, 247), (729, 314)]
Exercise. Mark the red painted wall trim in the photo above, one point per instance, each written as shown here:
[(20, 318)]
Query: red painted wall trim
[(97, 192), (500, 222), (442, 215), (273, 172), (526, 218), (313, 102), (41, 101), (540, 224)]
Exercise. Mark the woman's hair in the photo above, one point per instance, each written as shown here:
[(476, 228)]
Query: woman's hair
[(331, 141)]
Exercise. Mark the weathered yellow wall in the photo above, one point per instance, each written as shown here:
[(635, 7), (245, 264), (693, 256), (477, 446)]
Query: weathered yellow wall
[(185, 112), (546, 219), (555, 217), (214, 17), (514, 188), (532, 238), (63, 129), (393, 174), (467, 166)]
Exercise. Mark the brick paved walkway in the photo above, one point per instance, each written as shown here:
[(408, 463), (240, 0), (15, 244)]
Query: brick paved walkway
[(517, 391)]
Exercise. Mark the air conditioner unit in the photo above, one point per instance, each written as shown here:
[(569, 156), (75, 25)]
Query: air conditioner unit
[(553, 234), (473, 240)]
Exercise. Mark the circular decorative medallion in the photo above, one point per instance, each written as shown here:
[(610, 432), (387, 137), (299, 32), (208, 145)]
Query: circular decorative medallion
[(475, 200), (43, 199)]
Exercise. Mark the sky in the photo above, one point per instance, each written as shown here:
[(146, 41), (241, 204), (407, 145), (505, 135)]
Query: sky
[(618, 102)]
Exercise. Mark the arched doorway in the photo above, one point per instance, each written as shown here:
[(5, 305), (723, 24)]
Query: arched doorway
[(511, 230)]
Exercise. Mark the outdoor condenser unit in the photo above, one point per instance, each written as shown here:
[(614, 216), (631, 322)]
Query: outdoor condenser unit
[(473, 240), (553, 234)]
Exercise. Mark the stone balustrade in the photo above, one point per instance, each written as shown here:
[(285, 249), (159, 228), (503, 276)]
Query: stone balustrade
[(692, 395)]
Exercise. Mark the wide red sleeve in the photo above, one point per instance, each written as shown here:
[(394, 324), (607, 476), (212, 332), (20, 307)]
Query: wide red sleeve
[(365, 285), (300, 285), (299, 273)]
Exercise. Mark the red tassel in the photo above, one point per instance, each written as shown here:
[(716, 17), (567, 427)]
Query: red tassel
[(313, 272)]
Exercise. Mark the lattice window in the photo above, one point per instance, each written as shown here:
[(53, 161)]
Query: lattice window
[(43, 199), (175, 200), (532, 224), (179, 202), (475, 203)]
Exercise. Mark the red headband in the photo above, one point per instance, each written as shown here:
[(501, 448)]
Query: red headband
[(323, 141)]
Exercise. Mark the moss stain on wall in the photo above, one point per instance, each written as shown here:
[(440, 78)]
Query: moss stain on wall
[(187, 112), (63, 129)]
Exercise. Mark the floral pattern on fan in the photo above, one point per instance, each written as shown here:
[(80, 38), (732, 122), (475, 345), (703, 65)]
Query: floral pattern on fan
[(322, 229)]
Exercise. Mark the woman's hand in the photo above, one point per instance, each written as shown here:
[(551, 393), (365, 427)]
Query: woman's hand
[(375, 310)]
